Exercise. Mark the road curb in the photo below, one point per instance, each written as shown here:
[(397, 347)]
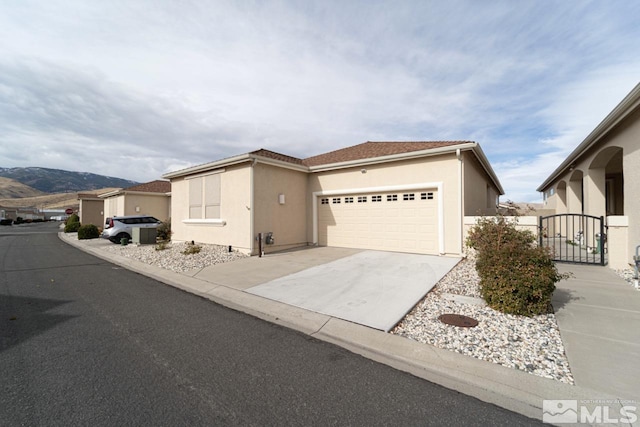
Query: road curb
[(511, 389)]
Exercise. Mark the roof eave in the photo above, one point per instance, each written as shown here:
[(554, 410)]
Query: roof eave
[(208, 166), (627, 106), (234, 161), (392, 157)]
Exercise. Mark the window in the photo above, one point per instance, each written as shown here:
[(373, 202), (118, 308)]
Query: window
[(204, 197), (324, 201), (195, 198), (376, 198), (336, 200), (392, 197), (362, 199), (408, 196), (426, 196), (348, 199)]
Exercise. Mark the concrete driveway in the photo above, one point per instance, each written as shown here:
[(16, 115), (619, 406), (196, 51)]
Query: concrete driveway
[(372, 288)]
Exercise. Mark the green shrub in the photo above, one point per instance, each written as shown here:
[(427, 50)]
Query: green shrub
[(191, 249), (88, 231), (71, 227), (72, 218), (164, 230), (516, 275)]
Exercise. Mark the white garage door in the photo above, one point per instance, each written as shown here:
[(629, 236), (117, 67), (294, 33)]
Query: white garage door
[(405, 221)]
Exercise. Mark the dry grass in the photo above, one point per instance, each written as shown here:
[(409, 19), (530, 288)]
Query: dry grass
[(47, 201), (10, 189)]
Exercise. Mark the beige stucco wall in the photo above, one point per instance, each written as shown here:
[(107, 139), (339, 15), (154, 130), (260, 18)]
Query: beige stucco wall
[(480, 195), (114, 206), (235, 210), (148, 204), (618, 242), (91, 212), (626, 136), (286, 221), (435, 169), (529, 223), (157, 205)]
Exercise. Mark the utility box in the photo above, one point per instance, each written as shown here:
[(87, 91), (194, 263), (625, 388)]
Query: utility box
[(144, 236)]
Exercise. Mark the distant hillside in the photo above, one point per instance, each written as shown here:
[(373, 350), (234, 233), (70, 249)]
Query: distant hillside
[(11, 189), (49, 201), (61, 181)]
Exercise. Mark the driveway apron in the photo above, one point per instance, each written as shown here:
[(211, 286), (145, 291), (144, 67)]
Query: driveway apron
[(371, 288)]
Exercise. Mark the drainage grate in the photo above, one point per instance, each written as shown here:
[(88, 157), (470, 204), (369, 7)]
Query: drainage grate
[(458, 320)]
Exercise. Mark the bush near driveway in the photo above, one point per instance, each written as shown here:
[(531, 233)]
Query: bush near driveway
[(516, 275), (88, 231), (72, 224)]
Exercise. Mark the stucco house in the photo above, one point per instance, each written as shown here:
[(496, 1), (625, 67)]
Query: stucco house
[(91, 209), (151, 198), (394, 196), (601, 178)]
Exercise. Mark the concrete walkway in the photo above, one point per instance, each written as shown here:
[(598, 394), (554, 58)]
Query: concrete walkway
[(598, 314), (508, 388)]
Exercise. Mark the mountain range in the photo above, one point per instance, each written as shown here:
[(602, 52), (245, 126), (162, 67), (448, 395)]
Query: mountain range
[(51, 181)]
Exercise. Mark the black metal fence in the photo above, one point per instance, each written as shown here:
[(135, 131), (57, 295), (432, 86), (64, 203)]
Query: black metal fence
[(575, 238)]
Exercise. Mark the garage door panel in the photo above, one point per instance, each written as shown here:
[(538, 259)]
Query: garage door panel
[(398, 221)]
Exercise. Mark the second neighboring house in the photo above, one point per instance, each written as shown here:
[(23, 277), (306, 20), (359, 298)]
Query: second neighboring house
[(151, 198), (601, 178), (91, 209), (393, 196)]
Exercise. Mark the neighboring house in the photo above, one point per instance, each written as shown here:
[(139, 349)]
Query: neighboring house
[(152, 198), (91, 209), (601, 178), (8, 213), (394, 196)]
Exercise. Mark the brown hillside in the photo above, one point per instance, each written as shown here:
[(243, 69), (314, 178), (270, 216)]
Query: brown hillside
[(10, 189), (50, 201)]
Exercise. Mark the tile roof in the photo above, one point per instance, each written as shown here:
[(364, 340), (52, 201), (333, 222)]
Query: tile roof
[(372, 149), (277, 156), (157, 186)]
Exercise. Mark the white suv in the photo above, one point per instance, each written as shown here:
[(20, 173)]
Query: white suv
[(119, 227)]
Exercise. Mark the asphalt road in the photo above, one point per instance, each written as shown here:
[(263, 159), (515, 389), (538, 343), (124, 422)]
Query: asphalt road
[(83, 342)]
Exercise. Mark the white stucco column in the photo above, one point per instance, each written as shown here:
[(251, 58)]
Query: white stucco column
[(574, 195), (594, 192)]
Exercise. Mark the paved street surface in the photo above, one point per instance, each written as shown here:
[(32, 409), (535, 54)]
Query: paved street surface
[(83, 342)]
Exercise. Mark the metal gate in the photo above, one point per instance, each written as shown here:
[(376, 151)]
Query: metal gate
[(574, 238)]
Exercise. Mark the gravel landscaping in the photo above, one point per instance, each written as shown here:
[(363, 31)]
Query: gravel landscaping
[(172, 258), (628, 274), (530, 344)]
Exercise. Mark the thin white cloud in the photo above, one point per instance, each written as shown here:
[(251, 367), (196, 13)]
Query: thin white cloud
[(165, 85)]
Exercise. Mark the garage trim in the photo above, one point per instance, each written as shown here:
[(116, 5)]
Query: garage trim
[(390, 188)]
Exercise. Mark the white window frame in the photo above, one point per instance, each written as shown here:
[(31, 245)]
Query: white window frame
[(208, 201)]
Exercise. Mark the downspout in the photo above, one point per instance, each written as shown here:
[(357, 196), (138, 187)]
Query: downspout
[(460, 192), (251, 204)]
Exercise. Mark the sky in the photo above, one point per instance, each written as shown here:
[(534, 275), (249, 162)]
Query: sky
[(135, 89)]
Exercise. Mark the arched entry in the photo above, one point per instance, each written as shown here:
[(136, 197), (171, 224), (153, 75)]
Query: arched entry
[(607, 171)]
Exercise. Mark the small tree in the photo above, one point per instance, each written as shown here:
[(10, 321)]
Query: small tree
[(164, 230), (516, 275), (72, 224), (72, 218)]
